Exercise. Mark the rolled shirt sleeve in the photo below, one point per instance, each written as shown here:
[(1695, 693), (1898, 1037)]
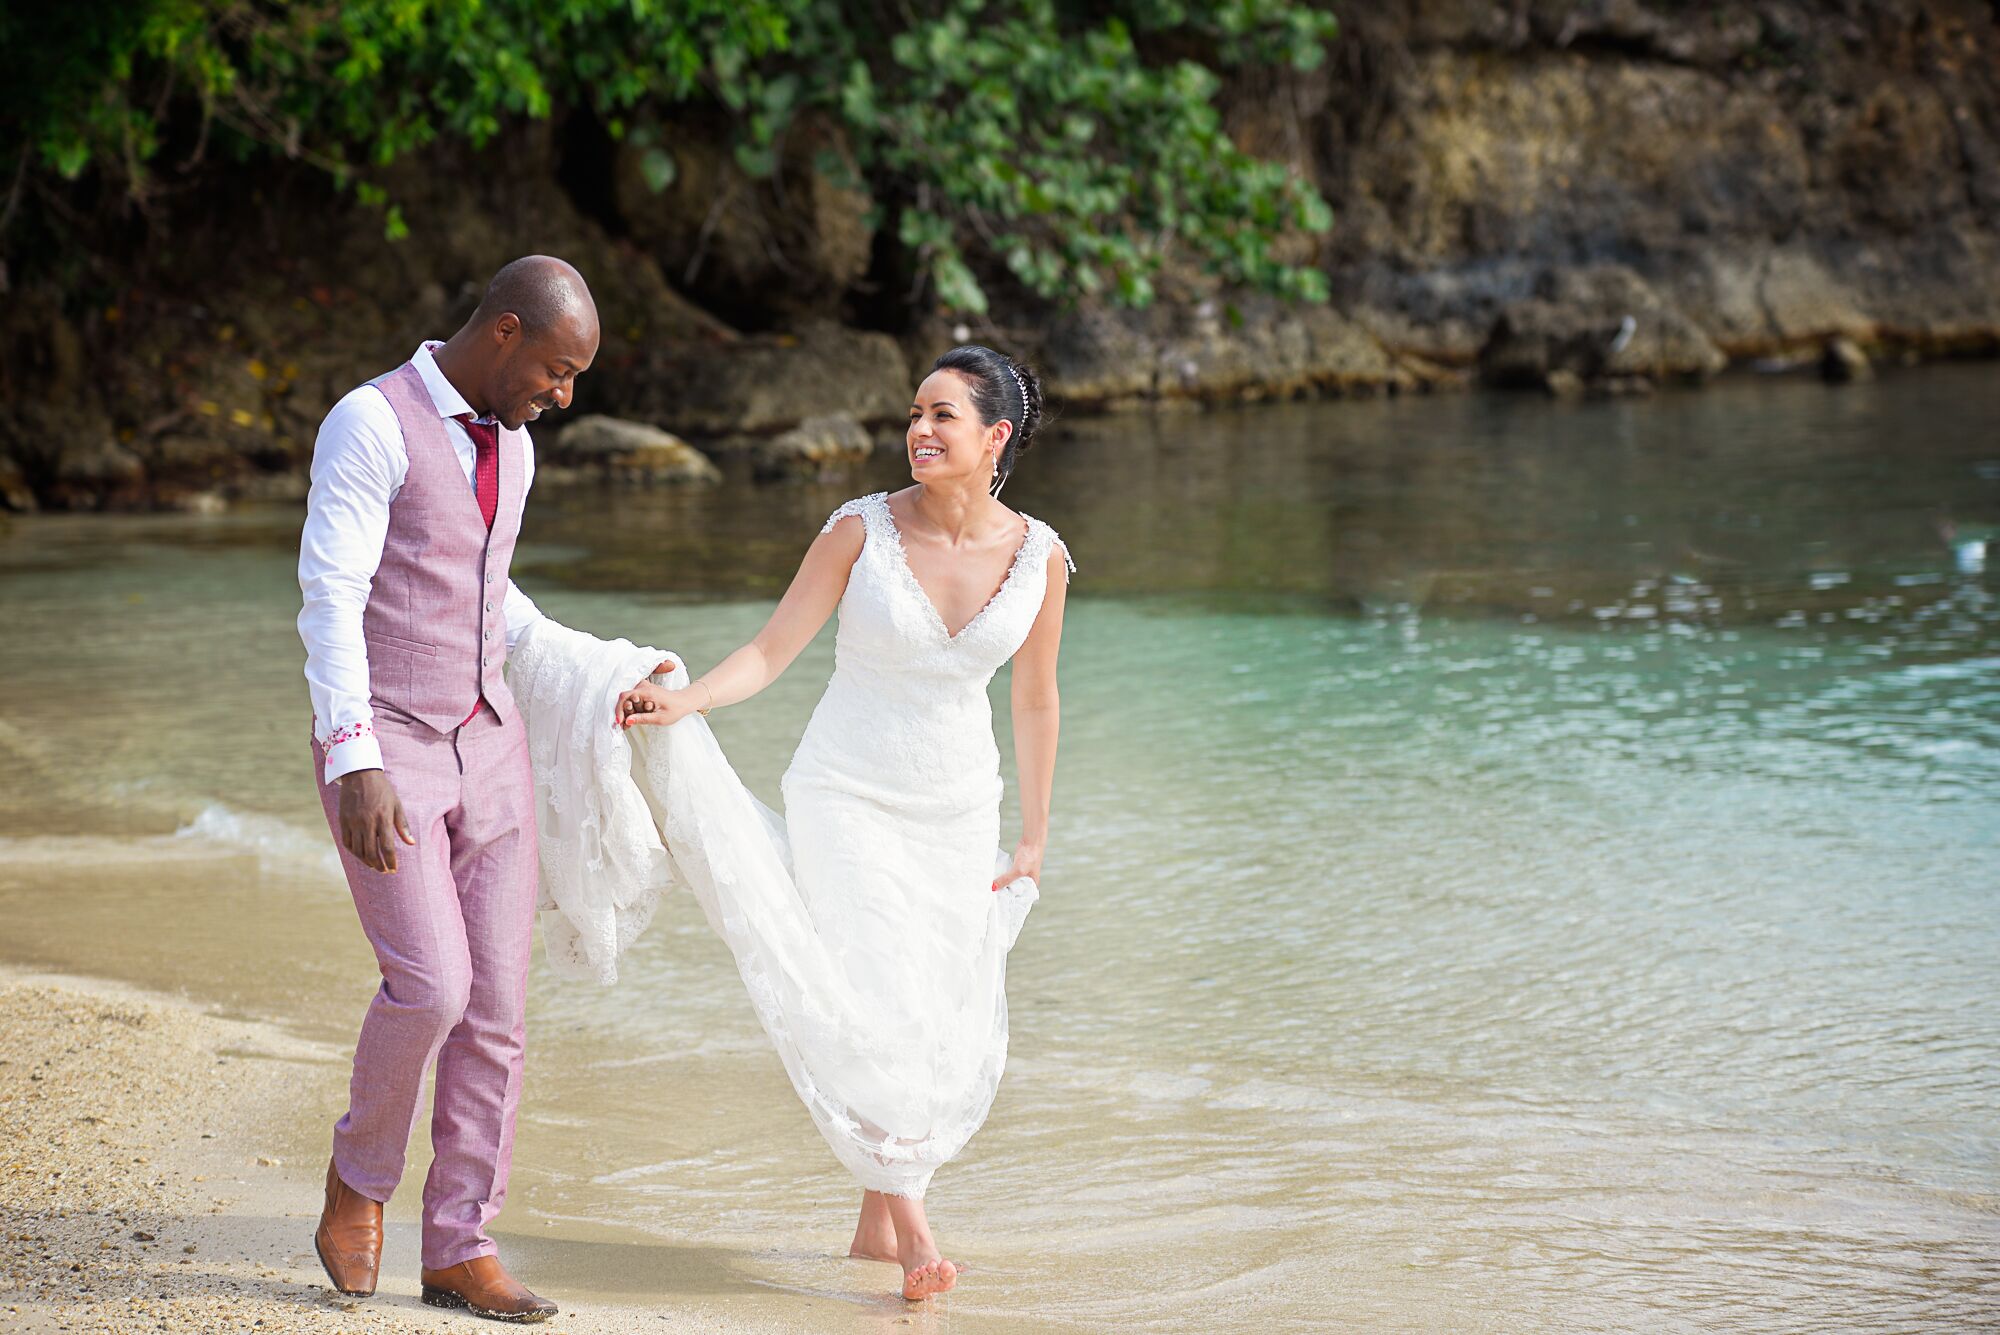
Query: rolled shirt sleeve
[(358, 467)]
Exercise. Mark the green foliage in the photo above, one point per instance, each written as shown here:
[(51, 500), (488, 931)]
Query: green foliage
[(1050, 142), (1056, 141)]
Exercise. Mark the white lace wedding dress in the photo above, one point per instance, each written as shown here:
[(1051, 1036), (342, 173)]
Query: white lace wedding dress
[(863, 921)]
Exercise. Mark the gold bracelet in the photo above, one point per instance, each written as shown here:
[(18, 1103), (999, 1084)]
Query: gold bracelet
[(711, 696)]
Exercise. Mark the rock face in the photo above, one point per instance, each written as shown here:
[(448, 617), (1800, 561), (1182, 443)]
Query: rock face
[(215, 371), (1597, 326), (736, 243), (1215, 349), (1575, 195), (1772, 174), (631, 452), (1512, 181), (817, 448), (764, 385)]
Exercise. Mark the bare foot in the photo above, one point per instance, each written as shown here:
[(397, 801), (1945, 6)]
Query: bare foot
[(925, 1271), (928, 1278), (874, 1232)]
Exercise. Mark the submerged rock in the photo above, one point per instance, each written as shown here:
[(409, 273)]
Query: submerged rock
[(1563, 384), (1844, 362), (15, 493), (98, 459), (632, 452), (816, 448)]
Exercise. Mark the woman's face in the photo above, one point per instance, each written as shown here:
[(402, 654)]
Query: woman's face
[(946, 439)]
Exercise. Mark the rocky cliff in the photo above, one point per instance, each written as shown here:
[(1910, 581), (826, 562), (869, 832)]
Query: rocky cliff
[(1532, 192), (1512, 180)]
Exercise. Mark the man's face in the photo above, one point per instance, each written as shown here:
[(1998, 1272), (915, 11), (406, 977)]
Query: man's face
[(537, 374)]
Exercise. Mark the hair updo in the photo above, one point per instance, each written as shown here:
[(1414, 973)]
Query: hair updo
[(1002, 390)]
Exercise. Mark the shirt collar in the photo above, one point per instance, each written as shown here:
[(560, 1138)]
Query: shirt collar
[(450, 403)]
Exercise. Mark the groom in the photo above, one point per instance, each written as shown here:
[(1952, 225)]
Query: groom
[(418, 482)]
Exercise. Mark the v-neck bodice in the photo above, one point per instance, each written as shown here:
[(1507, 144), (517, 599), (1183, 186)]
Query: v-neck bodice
[(903, 559), (907, 695)]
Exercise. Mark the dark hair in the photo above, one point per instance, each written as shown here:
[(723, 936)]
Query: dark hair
[(1002, 390)]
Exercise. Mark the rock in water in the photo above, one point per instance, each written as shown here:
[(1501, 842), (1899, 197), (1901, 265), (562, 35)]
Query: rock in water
[(1599, 325), (1844, 362), (632, 452), (15, 494), (773, 382), (815, 448)]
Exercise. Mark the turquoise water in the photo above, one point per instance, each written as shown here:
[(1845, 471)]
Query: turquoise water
[(1516, 866)]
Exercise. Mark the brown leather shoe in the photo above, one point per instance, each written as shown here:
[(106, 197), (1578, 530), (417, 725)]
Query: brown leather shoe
[(349, 1237), (483, 1287)]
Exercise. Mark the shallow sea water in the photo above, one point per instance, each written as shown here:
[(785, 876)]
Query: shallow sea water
[(1516, 867)]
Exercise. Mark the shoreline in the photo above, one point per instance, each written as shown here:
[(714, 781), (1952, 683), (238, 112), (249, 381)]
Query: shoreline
[(148, 1185), (228, 483)]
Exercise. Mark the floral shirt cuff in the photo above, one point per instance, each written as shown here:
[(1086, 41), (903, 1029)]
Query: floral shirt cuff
[(351, 748)]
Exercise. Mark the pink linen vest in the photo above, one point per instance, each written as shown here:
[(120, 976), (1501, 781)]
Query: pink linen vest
[(435, 624)]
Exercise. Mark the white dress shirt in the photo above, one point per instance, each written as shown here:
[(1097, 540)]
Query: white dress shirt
[(359, 464)]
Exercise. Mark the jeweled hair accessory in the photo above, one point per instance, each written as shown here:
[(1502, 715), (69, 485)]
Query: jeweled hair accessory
[(1021, 385)]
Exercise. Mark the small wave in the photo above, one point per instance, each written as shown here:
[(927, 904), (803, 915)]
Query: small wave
[(274, 841)]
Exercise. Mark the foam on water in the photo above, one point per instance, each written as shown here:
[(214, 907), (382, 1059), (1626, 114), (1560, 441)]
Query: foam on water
[(277, 842)]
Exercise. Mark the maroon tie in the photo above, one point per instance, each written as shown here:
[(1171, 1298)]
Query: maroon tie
[(485, 464)]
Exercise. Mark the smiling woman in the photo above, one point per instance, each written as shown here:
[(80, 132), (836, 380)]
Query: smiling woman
[(1005, 395), (867, 923)]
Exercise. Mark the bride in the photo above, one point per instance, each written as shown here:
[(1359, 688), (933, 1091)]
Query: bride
[(868, 923)]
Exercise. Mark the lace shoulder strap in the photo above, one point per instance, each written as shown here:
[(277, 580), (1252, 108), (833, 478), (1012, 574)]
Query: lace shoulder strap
[(1041, 540), (860, 505)]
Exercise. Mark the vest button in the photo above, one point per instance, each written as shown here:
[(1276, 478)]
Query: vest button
[(486, 662), (487, 636), (489, 577), (489, 607)]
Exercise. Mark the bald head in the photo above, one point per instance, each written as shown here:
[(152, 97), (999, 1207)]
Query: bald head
[(519, 355), (542, 292)]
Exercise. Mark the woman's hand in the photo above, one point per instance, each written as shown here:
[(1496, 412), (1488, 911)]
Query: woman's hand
[(1027, 862), (647, 703)]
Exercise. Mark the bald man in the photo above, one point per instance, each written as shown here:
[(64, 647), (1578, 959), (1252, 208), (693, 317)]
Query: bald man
[(418, 483)]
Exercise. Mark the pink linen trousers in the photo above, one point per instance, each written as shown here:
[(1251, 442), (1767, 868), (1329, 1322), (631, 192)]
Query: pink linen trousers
[(452, 928)]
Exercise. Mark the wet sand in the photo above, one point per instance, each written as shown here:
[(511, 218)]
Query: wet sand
[(143, 1187)]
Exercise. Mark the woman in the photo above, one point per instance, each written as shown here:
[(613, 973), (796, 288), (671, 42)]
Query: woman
[(886, 996)]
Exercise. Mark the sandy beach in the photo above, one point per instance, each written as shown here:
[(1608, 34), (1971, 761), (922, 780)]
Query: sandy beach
[(142, 1187)]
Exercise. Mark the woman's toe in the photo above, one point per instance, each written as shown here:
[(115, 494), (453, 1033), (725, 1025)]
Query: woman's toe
[(927, 1279)]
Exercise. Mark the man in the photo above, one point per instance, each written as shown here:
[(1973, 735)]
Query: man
[(418, 483)]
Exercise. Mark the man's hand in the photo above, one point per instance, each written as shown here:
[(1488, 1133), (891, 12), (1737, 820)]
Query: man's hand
[(371, 819)]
